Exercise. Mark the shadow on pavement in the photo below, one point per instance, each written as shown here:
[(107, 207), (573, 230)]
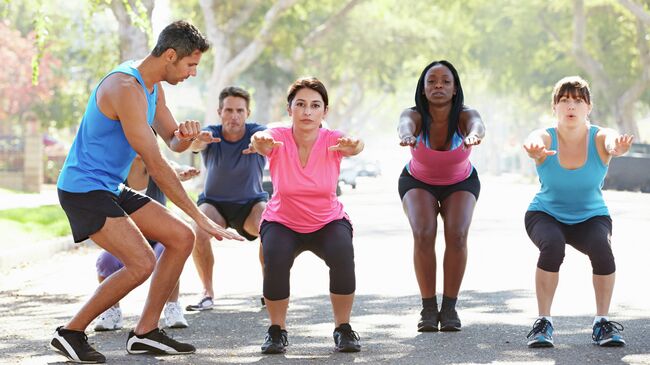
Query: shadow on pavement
[(234, 330)]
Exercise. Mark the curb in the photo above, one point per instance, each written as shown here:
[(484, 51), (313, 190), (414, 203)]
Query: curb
[(40, 250)]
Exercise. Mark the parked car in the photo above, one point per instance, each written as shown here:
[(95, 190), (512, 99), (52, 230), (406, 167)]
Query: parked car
[(630, 172)]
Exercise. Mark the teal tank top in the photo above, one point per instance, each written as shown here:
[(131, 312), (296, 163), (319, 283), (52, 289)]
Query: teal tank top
[(571, 196), (100, 156)]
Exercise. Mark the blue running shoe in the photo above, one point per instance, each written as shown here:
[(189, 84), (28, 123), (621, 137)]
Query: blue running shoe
[(607, 333), (541, 335)]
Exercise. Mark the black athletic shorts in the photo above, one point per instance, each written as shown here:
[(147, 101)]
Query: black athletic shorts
[(87, 212), (407, 182), (235, 214)]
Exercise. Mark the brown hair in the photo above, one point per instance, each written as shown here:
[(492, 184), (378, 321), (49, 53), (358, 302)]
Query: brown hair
[(182, 37), (234, 91), (574, 86), (310, 83)]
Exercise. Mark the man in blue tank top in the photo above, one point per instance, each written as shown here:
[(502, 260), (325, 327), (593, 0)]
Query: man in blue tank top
[(233, 194), (117, 124)]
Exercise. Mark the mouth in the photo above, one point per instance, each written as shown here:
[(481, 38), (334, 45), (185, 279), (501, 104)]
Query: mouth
[(438, 94)]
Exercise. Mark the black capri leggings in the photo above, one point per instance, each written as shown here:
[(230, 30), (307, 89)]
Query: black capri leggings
[(591, 237), (281, 245)]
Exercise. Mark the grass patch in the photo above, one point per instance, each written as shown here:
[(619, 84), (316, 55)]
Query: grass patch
[(45, 222)]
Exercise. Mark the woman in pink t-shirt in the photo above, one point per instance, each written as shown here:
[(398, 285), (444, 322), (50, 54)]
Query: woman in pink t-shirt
[(304, 213), (439, 180)]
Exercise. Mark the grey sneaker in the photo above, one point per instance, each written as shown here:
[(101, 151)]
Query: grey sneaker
[(275, 341), (204, 304), (174, 317), (541, 335)]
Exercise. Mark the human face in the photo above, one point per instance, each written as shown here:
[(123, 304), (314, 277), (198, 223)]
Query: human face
[(307, 109), (233, 114), (179, 70), (570, 109), (439, 85)]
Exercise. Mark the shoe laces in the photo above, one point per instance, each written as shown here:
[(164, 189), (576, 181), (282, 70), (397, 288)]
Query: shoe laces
[(277, 335), (173, 309), (606, 327), (540, 326), (349, 333)]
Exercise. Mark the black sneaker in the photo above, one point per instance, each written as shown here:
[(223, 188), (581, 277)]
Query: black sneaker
[(74, 345), (428, 320), (607, 334), (156, 342), (345, 339), (275, 341), (449, 321)]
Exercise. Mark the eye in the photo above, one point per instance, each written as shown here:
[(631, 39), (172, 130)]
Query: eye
[(300, 104), (315, 106)]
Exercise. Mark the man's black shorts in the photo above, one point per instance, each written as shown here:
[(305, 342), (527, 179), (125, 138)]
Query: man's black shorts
[(87, 212), (235, 214)]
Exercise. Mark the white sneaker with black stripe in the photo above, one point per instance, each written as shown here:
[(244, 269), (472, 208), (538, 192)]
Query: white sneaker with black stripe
[(156, 342), (74, 345)]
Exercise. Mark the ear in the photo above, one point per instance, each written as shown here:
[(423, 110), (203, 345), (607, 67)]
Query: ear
[(170, 55), (327, 109), (289, 109)]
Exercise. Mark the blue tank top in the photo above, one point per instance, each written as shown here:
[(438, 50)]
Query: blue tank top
[(100, 156), (230, 175), (571, 196)]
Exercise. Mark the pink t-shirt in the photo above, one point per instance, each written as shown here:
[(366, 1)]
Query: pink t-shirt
[(304, 199), (439, 167)]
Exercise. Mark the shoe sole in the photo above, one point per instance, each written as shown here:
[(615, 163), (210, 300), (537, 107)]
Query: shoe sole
[(197, 309), (178, 325), (449, 328), (70, 359), (611, 343), (539, 345), (274, 351), (428, 328), (106, 329), (347, 349)]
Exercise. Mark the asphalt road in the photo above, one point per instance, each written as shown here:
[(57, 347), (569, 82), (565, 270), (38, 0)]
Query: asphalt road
[(497, 303)]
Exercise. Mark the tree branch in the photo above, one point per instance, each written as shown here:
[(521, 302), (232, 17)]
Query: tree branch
[(637, 10)]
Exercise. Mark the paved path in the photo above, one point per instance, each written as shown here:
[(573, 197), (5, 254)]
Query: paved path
[(497, 304)]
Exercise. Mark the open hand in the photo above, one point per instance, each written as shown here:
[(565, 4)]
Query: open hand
[(538, 151), (622, 144), (188, 172), (472, 140), (216, 230), (345, 145), (408, 140), (264, 142)]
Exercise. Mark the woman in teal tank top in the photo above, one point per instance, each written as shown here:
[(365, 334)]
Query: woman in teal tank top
[(571, 161)]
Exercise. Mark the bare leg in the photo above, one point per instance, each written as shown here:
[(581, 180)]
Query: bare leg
[(342, 307), (159, 224), (202, 253), (278, 311), (421, 208), (120, 237), (457, 210), (545, 285), (603, 287)]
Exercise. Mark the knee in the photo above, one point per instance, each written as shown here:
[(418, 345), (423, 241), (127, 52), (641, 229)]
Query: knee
[(456, 239), (551, 256), (142, 268), (424, 238), (602, 259), (182, 241)]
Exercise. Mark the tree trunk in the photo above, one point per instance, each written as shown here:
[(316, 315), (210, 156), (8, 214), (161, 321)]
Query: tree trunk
[(134, 42)]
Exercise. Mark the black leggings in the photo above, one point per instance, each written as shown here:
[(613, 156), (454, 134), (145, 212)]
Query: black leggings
[(591, 237), (281, 245)]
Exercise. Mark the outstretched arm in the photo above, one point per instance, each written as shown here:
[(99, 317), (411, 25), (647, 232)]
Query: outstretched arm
[(348, 146), (410, 122), (263, 143), (537, 144), (472, 125)]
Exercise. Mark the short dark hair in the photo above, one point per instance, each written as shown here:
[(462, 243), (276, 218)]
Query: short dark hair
[(234, 91), (422, 103), (574, 86), (309, 83), (182, 37)]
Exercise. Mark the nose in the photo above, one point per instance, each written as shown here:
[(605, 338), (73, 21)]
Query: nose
[(307, 110)]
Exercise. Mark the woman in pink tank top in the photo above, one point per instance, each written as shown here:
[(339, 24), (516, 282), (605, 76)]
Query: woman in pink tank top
[(439, 180), (304, 213)]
